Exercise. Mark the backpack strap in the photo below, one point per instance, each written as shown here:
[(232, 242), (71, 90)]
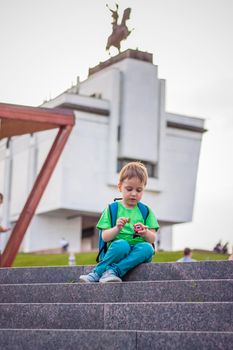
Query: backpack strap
[(113, 208), (144, 211)]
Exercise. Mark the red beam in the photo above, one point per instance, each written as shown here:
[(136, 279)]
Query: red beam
[(56, 116), (32, 202)]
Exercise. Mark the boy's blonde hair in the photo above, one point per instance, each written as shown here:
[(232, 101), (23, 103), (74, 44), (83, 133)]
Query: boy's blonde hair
[(134, 169)]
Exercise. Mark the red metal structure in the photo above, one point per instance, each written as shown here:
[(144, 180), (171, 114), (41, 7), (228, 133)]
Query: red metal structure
[(19, 120)]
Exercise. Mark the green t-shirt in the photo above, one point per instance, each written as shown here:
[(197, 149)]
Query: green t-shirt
[(127, 231)]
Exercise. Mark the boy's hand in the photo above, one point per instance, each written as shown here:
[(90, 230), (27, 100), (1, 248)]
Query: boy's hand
[(121, 222), (140, 229)]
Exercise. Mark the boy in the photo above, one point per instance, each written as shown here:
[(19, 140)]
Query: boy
[(126, 250)]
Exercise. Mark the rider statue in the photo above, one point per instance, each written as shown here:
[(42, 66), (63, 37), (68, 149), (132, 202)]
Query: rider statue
[(119, 31)]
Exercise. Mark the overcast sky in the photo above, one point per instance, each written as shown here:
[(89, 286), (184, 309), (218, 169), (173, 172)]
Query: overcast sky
[(46, 44)]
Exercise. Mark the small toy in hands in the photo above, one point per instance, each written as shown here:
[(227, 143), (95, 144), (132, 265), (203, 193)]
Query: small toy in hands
[(137, 228), (128, 220)]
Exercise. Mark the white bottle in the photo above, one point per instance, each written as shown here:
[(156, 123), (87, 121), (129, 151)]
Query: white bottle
[(72, 259)]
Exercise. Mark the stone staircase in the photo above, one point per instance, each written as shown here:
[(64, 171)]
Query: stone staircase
[(159, 306)]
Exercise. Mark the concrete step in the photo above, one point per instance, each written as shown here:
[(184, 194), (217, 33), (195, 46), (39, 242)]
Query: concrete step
[(113, 340), (150, 316), (145, 272), (49, 274), (146, 291)]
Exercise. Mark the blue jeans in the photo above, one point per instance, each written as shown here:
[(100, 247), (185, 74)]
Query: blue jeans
[(122, 257)]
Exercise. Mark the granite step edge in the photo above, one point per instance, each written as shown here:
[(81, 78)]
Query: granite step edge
[(145, 291), (113, 339), (210, 316), (151, 271)]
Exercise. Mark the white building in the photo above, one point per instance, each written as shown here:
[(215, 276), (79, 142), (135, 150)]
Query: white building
[(120, 116)]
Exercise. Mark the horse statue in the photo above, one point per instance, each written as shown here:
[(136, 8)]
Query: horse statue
[(119, 31)]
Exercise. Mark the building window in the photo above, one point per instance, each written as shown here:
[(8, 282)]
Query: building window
[(88, 232), (151, 167), (96, 95)]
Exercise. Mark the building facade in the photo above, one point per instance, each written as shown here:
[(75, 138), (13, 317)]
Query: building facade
[(120, 116)]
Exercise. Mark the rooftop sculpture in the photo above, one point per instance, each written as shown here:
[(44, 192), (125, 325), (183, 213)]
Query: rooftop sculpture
[(119, 31)]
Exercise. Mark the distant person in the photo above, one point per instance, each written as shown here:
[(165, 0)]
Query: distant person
[(126, 249), (187, 256), (225, 248), (218, 247), (158, 241), (3, 229), (64, 245)]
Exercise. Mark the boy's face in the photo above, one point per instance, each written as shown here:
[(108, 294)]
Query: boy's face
[(132, 191)]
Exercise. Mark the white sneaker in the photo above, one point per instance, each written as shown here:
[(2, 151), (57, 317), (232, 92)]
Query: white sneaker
[(109, 276), (91, 277)]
